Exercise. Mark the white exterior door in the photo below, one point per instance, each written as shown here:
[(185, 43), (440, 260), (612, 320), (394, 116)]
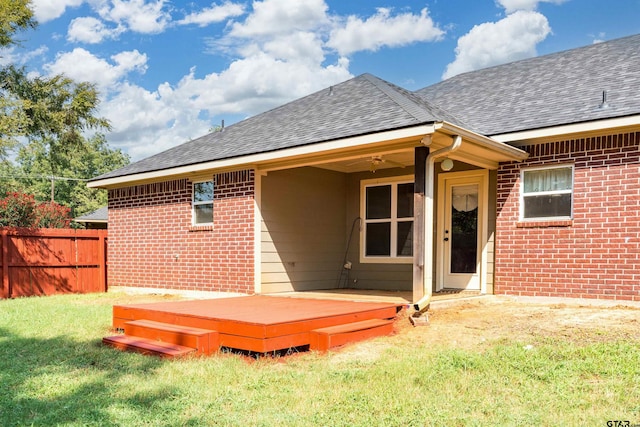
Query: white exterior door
[(461, 230)]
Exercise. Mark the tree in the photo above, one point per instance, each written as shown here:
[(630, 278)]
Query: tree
[(52, 111), (15, 16), (44, 145), (73, 167)]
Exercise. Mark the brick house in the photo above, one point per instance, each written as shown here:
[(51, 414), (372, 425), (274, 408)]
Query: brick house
[(519, 179)]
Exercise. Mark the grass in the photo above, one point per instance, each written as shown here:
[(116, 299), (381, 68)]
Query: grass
[(54, 371)]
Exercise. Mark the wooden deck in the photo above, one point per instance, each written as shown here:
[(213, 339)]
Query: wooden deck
[(258, 324)]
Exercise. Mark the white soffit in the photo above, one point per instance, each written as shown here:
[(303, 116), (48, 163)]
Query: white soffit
[(288, 155)]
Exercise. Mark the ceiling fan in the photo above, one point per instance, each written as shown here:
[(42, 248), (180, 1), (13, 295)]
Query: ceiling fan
[(375, 162)]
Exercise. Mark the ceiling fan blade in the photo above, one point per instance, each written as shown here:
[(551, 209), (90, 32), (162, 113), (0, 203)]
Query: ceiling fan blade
[(359, 161), (392, 162)]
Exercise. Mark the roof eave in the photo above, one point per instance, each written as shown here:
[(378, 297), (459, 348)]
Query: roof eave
[(532, 136), (254, 160), (503, 151)]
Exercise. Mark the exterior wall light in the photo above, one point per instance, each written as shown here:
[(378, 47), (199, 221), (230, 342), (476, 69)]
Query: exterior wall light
[(446, 165)]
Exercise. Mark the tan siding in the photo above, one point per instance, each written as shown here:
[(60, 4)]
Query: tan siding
[(303, 213), (373, 276)]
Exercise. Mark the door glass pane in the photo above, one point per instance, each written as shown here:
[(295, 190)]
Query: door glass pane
[(405, 238), (378, 237), (379, 202), (405, 200), (464, 228)]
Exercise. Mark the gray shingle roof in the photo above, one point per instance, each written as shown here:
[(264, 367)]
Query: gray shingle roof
[(99, 215), (545, 91), (362, 105)]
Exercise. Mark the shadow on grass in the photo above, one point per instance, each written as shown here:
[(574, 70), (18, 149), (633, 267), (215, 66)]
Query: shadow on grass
[(54, 381)]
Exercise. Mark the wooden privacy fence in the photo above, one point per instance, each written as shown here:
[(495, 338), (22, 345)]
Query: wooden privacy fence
[(52, 261)]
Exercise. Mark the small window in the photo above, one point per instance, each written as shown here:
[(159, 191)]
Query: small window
[(387, 213), (202, 202), (547, 193)]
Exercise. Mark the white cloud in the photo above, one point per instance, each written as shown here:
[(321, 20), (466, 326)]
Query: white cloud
[(278, 52), (47, 10), (510, 39), (146, 122), (97, 70), (515, 5), (271, 17), (302, 46), (383, 29), (137, 15), (12, 55), (91, 30), (599, 38), (213, 14)]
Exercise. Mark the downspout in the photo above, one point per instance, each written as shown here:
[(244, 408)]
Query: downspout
[(427, 280)]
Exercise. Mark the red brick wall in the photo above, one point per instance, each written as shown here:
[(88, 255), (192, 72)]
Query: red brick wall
[(595, 255), (153, 244)]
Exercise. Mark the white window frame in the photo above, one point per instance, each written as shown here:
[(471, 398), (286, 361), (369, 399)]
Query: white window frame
[(200, 203), (394, 182), (546, 193)]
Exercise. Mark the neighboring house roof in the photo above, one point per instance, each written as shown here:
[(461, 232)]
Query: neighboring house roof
[(360, 106), (557, 89), (99, 215)]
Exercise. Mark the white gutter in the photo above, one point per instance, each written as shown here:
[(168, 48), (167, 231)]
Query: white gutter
[(491, 143), (596, 126), (427, 269)]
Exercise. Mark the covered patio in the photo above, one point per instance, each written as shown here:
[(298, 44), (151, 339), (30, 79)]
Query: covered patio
[(377, 214)]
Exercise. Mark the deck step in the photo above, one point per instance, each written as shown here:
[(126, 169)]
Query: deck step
[(147, 346), (325, 338), (205, 341)]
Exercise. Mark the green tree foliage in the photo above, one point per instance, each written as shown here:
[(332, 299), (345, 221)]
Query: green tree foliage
[(22, 210), (44, 125), (51, 111), (15, 16), (90, 159)]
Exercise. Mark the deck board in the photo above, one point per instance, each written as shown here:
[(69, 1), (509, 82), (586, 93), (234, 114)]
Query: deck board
[(257, 323)]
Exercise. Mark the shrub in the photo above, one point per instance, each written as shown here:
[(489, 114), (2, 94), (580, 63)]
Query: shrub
[(22, 210)]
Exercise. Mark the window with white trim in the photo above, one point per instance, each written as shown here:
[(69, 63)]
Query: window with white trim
[(202, 203), (387, 214), (547, 193)]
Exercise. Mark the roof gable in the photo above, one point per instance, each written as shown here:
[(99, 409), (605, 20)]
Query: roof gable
[(360, 106)]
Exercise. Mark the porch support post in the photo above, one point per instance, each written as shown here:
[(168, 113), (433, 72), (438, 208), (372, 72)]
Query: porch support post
[(422, 305), (419, 187)]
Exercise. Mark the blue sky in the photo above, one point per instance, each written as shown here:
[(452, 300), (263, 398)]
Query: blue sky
[(168, 71)]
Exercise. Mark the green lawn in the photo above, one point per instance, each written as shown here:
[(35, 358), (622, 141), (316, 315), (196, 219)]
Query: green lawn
[(54, 371)]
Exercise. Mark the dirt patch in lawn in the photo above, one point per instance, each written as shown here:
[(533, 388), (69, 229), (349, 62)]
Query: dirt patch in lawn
[(478, 322), (474, 322)]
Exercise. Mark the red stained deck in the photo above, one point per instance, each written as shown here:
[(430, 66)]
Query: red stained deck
[(264, 323)]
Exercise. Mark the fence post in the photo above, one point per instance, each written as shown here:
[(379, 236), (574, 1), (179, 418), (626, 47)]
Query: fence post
[(5, 265)]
